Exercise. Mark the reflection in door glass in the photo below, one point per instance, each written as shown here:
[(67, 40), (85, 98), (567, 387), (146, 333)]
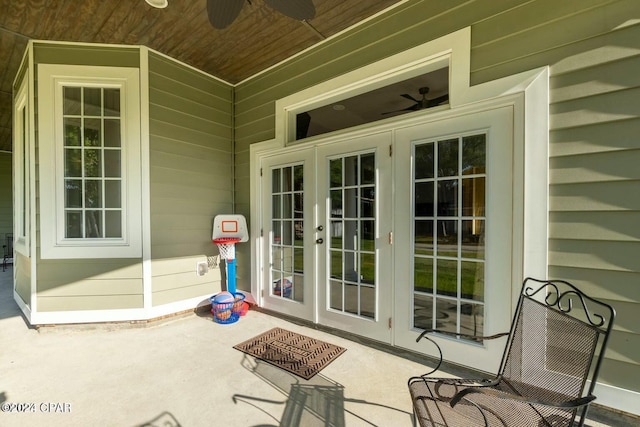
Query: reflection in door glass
[(449, 183), (352, 259), (286, 242)]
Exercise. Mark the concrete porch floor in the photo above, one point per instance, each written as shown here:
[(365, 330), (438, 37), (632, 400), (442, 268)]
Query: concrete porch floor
[(184, 372)]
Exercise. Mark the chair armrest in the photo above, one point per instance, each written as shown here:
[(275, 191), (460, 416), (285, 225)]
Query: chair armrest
[(568, 404), (488, 337)]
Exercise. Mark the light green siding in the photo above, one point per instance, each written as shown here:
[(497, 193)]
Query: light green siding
[(112, 56), (593, 52), (86, 284), (191, 175), (6, 195), (22, 274)]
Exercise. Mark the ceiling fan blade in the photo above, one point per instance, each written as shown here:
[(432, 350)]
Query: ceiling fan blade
[(296, 9), (223, 12), (413, 107), (406, 95), (437, 101)]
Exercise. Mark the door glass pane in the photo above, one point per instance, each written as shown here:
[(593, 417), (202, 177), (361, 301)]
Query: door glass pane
[(447, 158), (367, 301), (287, 241), (352, 251), (335, 295), (423, 199), (423, 274), (335, 173), (473, 154), (423, 237), (424, 161), (448, 276), (368, 169)]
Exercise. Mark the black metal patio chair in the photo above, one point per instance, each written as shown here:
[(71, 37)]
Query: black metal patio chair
[(7, 258), (548, 371)]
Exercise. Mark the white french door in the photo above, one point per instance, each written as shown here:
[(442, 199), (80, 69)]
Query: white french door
[(354, 258), (288, 200), (387, 234), (326, 223), (453, 224)]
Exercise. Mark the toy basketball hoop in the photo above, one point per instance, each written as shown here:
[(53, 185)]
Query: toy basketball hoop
[(227, 247), (227, 231)]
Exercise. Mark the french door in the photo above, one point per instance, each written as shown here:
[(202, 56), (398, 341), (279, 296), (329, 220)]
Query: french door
[(453, 227), (326, 225), (354, 258), (288, 200), (391, 233)]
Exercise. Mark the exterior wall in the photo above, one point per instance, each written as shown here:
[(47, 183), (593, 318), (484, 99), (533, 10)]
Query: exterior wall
[(191, 175), (592, 49), (22, 274), (85, 284), (6, 195), (21, 263)]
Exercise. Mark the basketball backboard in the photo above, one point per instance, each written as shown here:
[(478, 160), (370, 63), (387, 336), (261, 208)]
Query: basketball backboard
[(230, 226)]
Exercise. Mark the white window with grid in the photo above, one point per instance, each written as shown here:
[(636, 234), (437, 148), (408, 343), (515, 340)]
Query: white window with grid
[(90, 162)]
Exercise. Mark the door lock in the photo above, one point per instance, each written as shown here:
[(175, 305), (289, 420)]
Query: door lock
[(320, 228), (319, 241)]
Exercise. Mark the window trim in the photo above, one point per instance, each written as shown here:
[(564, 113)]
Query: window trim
[(51, 80), (22, 175)]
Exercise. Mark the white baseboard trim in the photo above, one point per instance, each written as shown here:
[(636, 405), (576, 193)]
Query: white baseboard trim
[(617, 398), (105, 316)]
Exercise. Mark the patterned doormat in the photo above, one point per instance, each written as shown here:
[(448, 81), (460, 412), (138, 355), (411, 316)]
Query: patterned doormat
[(298, 354)]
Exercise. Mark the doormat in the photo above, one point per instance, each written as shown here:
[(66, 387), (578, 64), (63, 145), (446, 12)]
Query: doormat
[(301, 355)]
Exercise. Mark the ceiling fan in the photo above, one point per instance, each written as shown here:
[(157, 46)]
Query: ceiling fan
[(223, 12), (421, 104)]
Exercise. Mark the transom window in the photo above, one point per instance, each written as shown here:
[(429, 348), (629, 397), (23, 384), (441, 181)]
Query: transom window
[(449, 234), (92, 162)]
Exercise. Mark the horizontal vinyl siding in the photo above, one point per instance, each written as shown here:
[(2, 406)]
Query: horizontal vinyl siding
[(191, 175), (593, 52), (85, 284), (22, 274), (78, 54), (89, 284), (594, 56), (6, 195)]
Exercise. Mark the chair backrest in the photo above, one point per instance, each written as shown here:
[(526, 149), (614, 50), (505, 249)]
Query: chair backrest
[(557, 341), (8, 246)]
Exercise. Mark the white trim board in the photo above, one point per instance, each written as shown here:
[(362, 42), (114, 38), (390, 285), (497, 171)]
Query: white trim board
[(116, 315)]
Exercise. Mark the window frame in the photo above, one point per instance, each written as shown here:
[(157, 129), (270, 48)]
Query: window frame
[(21, 167), (52, 78)]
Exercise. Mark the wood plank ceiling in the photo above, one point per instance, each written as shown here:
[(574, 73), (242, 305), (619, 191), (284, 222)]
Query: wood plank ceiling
[(259, 38)]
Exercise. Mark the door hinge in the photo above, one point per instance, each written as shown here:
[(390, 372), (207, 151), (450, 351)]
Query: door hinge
[(262, 232), (391, 237), (390, 322), (390, 150), (260, 171)]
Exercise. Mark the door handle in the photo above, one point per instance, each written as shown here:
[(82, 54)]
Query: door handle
[(319, 241)]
